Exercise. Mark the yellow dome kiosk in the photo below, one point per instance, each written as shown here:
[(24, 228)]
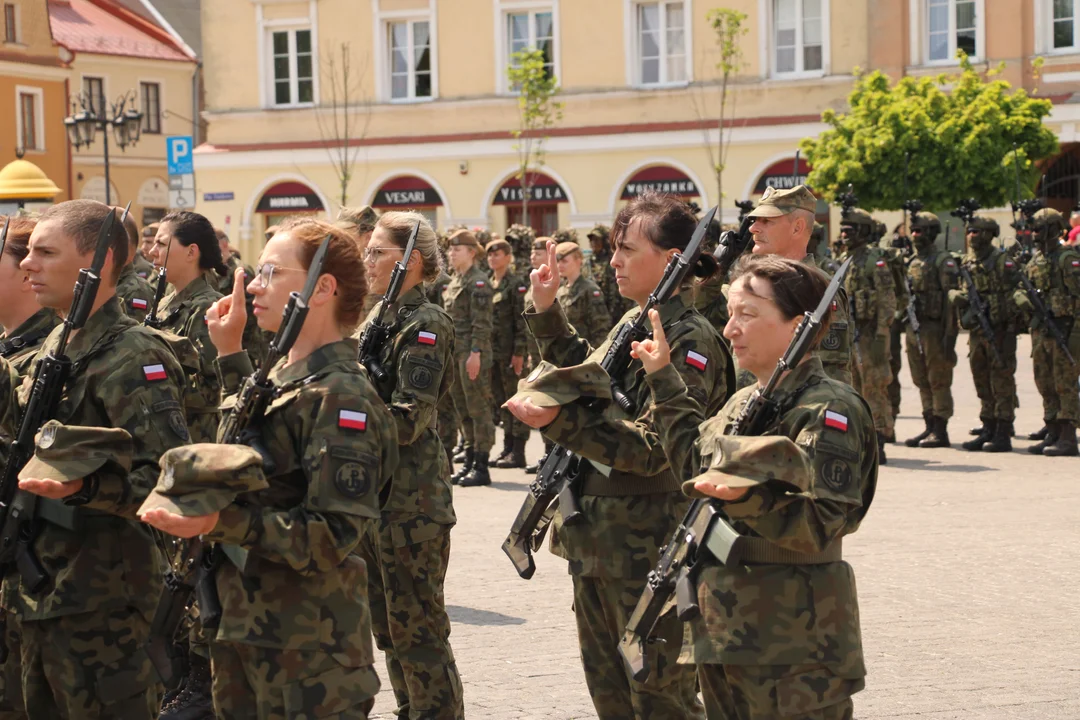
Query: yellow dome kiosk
[(22, 182)]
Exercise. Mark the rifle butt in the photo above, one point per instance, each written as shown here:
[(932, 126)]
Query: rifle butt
[(636, 660), (520, 554)]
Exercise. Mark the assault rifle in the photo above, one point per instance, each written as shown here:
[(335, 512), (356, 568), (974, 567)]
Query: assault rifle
[(745, 208), (704, 531), (980, 308), (913, 319), (379, 330), (732, 245), (198, 559), (17, 507), (1043, 312), (846, 201), (151, 319), (560, 469)]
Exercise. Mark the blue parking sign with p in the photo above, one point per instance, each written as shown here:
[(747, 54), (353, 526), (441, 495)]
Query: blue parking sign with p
[(179, 155)]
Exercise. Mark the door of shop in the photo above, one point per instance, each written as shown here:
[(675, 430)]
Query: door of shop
[(543, 218)]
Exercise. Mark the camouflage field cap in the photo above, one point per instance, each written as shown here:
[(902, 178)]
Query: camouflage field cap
[(70, 452), (540, 243), (984, 224), (749, 461), (548, 386), (599, 231), (567, 234), (203, 478), (566, 248), (466, 238), (497, 244), (777, 203)]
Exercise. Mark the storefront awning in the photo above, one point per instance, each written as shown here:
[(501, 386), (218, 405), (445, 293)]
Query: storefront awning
[(289, 197), (781, 175), (545, 191), (406, 192), (662, 179)]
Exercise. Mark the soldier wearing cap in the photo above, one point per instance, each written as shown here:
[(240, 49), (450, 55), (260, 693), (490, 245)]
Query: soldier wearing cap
[(581, 299), (105, 569), (933, 274), (783, 225), (27, 323), (144, 268), (131, 287), (508, 348), (537, 257), (1054, 270), (255, 340), (872, 297), (521, 239), (995, 275), (598, 268), (791, 493), (468, 300)]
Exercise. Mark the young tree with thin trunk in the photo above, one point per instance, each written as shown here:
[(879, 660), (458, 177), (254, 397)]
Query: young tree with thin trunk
[(538, 112), (729, 26), (344, 121)]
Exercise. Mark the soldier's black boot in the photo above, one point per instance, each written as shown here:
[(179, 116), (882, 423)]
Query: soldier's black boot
[(881, 459), (460, 447), (516, 458), (980, 429), (1049, 438), (1040, 434), (1066, 441), (196, 701), (466, 467), (460, 456), (479, 474), (928, 418), (987, 434), (1002, 439), (939, 434), (507, 448)]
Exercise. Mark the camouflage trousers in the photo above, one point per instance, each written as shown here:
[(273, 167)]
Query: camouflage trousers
[(871, 375), (12, 706), (1055, 376), (473, 401), (88, 666), (995, 385), (896, 352), (409, 621), (771, 692), (602, 608), (503, 386), (932, 369), (258, 683)]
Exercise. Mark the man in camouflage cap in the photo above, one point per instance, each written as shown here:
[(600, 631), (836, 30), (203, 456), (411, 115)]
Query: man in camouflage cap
[(598, 267), (581, 299), (508, 348), (204, 478), (69, 452)]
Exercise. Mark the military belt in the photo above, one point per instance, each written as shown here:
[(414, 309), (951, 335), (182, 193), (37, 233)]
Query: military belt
[(66, 516), (721, 537)]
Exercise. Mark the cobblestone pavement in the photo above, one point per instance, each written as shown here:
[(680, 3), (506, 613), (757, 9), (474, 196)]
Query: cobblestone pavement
[(968, 569)]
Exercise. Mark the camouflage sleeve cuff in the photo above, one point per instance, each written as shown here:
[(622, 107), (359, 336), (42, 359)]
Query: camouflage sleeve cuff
[(666, 384), (236, 525), (233, 369), (551, 323), (564, 428), (754, 503)]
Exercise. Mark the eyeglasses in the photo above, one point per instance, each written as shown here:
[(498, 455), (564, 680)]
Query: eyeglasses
[(373, 254), (265, 273)]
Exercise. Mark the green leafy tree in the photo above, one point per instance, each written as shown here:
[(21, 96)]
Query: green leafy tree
[(959, 129), (729, 27), (538, 112)]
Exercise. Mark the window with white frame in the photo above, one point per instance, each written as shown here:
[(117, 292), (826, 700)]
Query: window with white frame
[(292, 75), (531, 30), (409, 45), (1066, 14), (30, 112), (798, 36), (951, 25), (661, 43)]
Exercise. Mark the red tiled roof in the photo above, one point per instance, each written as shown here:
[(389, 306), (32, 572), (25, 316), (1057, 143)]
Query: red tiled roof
[(103, 28)]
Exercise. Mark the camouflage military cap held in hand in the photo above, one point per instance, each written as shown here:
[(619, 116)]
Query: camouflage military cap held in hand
[(548, 386), (776, 203), (204, 478), (749, 461), (984, 224), (71, 452), (540, 243), (497, 245), (566, 248), (466, 238)]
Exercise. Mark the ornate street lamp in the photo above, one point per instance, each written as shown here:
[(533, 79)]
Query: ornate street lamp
[(122, 118)]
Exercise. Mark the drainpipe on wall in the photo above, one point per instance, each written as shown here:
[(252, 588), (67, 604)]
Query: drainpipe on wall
[(195, 104)]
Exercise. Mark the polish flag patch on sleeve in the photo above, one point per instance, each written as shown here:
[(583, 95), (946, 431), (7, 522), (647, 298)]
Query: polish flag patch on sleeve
[(596, 293), (426, 338), (154, 373), (1076, 263), (881, 263), (522, 289), (480, 283), (836, 421), (696, 360), (352, 420), (139, 304)]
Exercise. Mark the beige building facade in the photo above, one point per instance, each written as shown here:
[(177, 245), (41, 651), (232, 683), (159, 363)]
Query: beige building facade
[(431, 112)]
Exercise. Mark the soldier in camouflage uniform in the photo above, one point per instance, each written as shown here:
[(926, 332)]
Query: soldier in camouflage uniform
[(537, 258), (1054, 270), (995, 276), (598, 268), (407, 550), (581, 299), (521, 239), (933, 274), (508, 348), (448, 416), (29, 323), (82, 640), (872, 298), (468, 300), (896, 254), (794, 492), (141, 260), (629, 495), (295, 632), (134, 291), (255, 340)]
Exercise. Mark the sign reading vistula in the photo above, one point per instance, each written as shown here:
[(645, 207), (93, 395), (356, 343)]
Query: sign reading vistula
[(538, 193)]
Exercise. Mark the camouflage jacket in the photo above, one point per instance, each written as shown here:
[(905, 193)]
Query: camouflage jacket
[(21, 345), (224, 283), (100, 556), (143, 267), (467, 298), (598, 269), (932, 277), (1056, 277), (583, 305), (764, 614), (996, 277), (435, 289), (9, 381), (530, 342), (333, 447), (629, 495), (872, 290), (835, 348), (135, 293), (183, 313), (710, 301), (508, 304), (419, 361), (255, 340)]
